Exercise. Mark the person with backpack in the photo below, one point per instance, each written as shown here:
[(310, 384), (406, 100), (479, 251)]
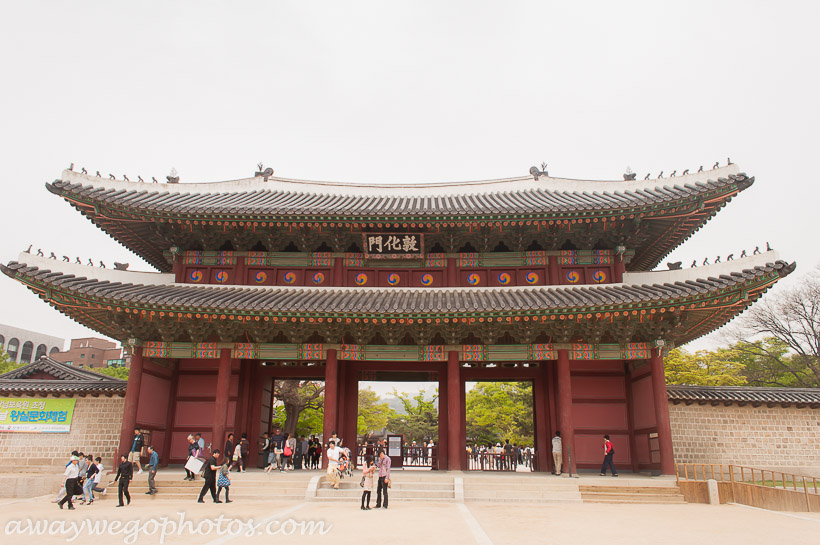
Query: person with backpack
[(209, 473), (609, 452), (136, 448)]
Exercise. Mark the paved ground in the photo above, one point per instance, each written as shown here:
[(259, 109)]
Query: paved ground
[(408, 523)]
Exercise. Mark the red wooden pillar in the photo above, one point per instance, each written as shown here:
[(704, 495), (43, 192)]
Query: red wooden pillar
[(454, 410), (565, 423), (443, 405), (132, 398), (452, 272), (620, 268), (341, 394), (338, 272), (540, 402), (331, 398), (171, 414), (351, 408), (662, 412), (255, 422), (240, 271), (552, 264), (223, 391), (630, 419)]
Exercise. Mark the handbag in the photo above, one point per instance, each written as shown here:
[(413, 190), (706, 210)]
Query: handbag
[(287, 451), (361, 483), (389, 483), (223, 481)]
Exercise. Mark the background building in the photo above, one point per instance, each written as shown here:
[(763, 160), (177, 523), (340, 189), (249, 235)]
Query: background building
[(24, 346), (91, 352)]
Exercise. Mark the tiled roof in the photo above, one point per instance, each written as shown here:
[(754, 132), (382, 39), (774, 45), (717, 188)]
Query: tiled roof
[(67, 380), (514, 196), (744, 395), (354, 300)]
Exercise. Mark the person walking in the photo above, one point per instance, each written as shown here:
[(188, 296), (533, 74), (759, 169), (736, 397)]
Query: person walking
[(153, 465), (246, 449), (367, 482), (125, 472), (71, 473), (136, 448), (609, 452), (557, 453), (265, 449), (384, 479), (211, 468), (317, 453), (235, 460), (97, 479), (229, 447), (193, 452), (333, 465), (278, 442), (224, 481), (290, 452), (88, 485)]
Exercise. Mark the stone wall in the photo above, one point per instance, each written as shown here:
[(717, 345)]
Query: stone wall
[(95, 429), (779, 438)]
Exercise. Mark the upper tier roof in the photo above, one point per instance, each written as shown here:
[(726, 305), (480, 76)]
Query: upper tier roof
[(283, 196), (95, 299), (66, 380), (650, 216)]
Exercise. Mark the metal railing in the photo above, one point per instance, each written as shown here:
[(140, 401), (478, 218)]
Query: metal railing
[(487, 461)]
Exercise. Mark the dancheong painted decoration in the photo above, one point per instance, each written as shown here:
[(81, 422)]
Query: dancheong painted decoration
[(531, 278)]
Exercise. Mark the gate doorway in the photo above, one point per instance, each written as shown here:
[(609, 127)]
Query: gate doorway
[(500, 426), (401, 417)]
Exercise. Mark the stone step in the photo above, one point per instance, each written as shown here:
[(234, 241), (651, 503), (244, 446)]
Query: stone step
[(632, 499), (531, 486), (406, 494), (512, 494), (395, 485), (651, 490)]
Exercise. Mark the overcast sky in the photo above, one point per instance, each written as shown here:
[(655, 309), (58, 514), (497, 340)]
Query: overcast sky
[(405, 92)]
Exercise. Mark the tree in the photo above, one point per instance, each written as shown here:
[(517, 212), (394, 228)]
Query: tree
[(7, 364), (420, 421), (116, 372), (296, 396), (500, 410), (721, 367), (374, 414), (789, 323)]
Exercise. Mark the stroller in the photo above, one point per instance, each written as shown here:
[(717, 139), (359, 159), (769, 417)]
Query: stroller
[(345, 467)]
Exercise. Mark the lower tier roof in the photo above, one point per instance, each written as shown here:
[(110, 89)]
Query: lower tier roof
[(679, 307)]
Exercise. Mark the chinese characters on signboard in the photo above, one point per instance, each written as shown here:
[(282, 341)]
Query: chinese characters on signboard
[(394, 245), (36, 415)]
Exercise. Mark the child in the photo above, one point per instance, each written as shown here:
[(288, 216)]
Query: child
[(367, 476), (224, 481)]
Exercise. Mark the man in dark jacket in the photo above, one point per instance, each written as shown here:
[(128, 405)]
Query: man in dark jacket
[(125, 472), (211, 468), (229, 444)]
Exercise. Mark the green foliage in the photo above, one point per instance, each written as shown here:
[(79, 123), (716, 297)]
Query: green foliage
[(420, 421), (7, 364), (310, 422), (721, 367), (500, 410), (770, 362), (116, 372), (374, 414)]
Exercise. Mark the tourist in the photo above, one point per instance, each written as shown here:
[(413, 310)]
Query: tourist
[(71, 473), (278, 441), (193, 452), (98, 478), (609, 452), (236, 459), (90, 472), (229, 448), (384, 479), (367, 482), (557, 453), (201, 442), (290, 451), (224, 481), (265, 449), (61, 492), (153, 465), (333, 464), (301, 453), (211, 468), (508, 460), (246, 450), (336, 439), (125, 472), (136, 448), (317, 454)]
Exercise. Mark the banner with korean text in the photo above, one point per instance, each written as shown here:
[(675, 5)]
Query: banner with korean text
[(36, 415)]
